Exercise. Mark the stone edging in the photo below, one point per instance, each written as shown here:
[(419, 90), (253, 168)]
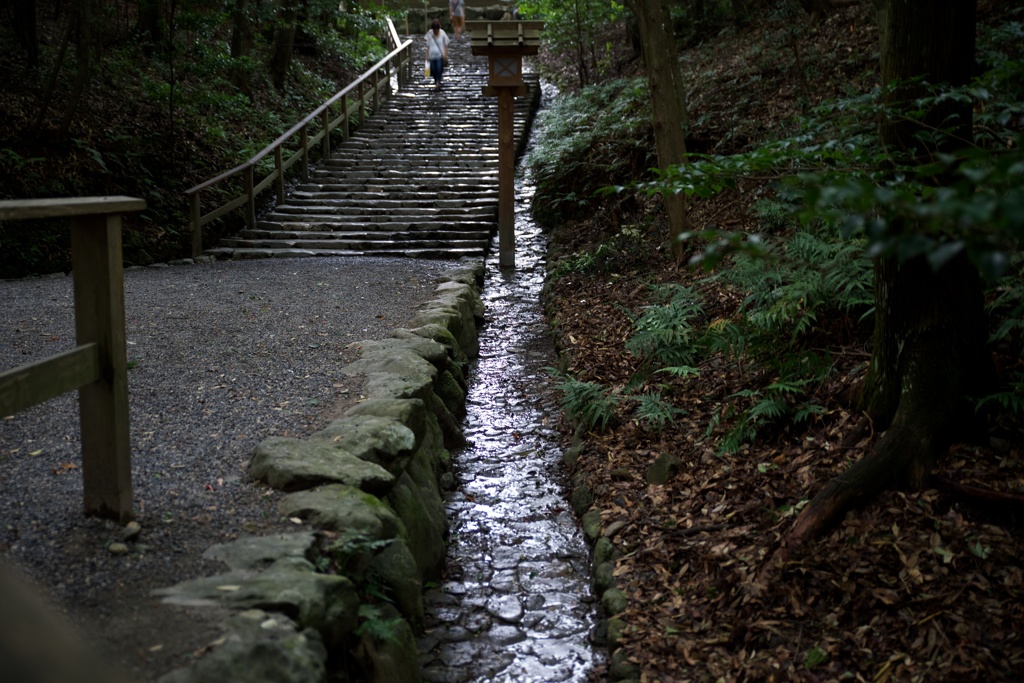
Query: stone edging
[(346, 598), (604, 554)]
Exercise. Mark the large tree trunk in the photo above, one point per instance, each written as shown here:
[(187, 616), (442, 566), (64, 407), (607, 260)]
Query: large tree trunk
[(83, 58), (23, 19), (150, 25), (241, 30), (241, 43), (668, 103), (284, 43), (930, 326)]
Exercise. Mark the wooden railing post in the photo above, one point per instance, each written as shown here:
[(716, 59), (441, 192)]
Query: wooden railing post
[(103, 404), (250, 205), (279, 171), (346, 120), (325, 144), (361, 102), (304, 137), (376, 91), (355, 111), (196, 218), (97, 367)]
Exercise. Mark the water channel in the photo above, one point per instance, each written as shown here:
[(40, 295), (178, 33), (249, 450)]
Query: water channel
[(516, 605)]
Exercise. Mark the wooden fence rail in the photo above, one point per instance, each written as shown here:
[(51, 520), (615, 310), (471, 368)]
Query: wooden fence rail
[(354, 100), (98, 366)]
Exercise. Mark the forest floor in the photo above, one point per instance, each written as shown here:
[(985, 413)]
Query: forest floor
[(920, 586)]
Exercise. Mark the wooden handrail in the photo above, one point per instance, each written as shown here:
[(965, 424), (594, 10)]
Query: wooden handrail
[(400, 58), (98, 365)]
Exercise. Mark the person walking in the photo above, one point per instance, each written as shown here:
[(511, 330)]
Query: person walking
[(457, 12), (437, 51)]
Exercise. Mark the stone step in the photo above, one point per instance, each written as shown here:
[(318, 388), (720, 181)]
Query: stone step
[(452, 231), (331, 224), (418, 178), (339, 207), (428, 253), (355, 244)]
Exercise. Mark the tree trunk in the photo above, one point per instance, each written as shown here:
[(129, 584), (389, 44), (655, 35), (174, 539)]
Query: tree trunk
[(241, 30), (149, 26), (930, 326), (934, 328), (83, 59), (284, 43), (740, 12), (668, 104), (817, 9), (581, 60), (241, 43), (23, 18), (51, 82)]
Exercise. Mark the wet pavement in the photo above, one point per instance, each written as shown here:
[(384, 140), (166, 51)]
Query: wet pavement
[(516, 605)]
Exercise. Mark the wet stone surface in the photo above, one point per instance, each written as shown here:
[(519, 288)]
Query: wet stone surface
[(516, 605)]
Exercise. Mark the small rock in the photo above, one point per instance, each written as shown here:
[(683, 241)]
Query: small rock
[(613, 528), (117, 548), (131, 531), (664, 468)]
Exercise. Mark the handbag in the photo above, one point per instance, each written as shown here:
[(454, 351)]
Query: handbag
[(426, 68)]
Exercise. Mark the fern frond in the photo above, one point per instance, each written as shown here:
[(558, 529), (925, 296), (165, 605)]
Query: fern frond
[(655, 412)]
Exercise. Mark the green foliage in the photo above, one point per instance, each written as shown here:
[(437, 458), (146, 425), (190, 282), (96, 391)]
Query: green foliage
[(352, 552), (588, 404), (577, 29), (779, 403), (663, 334), (626, 245), (586, 141), (813, 274), (843, 177), (654, 412), (375, 623), (159, 119)]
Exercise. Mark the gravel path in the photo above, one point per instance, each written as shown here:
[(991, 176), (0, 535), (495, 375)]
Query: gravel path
[(221, 356)]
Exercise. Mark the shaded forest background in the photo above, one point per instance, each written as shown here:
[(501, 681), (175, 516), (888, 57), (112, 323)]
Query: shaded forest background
[(707, 405), (755, 515), (150, 98)]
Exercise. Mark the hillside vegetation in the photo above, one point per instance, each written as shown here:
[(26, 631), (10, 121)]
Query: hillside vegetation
[(168, 102), (709, 399)]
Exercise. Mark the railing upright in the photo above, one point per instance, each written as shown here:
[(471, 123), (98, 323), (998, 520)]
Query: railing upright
[(325, 144), (98, 365), (354, 113), (279, 173), (376, 91), (250, 204)]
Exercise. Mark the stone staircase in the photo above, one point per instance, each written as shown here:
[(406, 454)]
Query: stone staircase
[(418, 179)]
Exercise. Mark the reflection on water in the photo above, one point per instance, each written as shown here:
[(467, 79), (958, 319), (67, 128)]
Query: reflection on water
[(516, 605)]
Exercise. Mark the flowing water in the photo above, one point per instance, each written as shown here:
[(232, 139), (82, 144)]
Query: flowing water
[(516, 605)]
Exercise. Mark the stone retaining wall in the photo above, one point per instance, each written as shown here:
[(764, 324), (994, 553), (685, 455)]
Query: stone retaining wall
[(345, 599)]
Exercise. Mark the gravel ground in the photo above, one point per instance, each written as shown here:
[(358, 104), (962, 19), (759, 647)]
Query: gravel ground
[(221, 356)]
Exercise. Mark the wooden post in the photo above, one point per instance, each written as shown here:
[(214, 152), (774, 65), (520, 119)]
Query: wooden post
[(346, 123), (103, 404), (376, 91), (362, 102), (304, 136), (325, 143), (250, 206), (197, 227), (279, 171), (506, 178), (505, 43)]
